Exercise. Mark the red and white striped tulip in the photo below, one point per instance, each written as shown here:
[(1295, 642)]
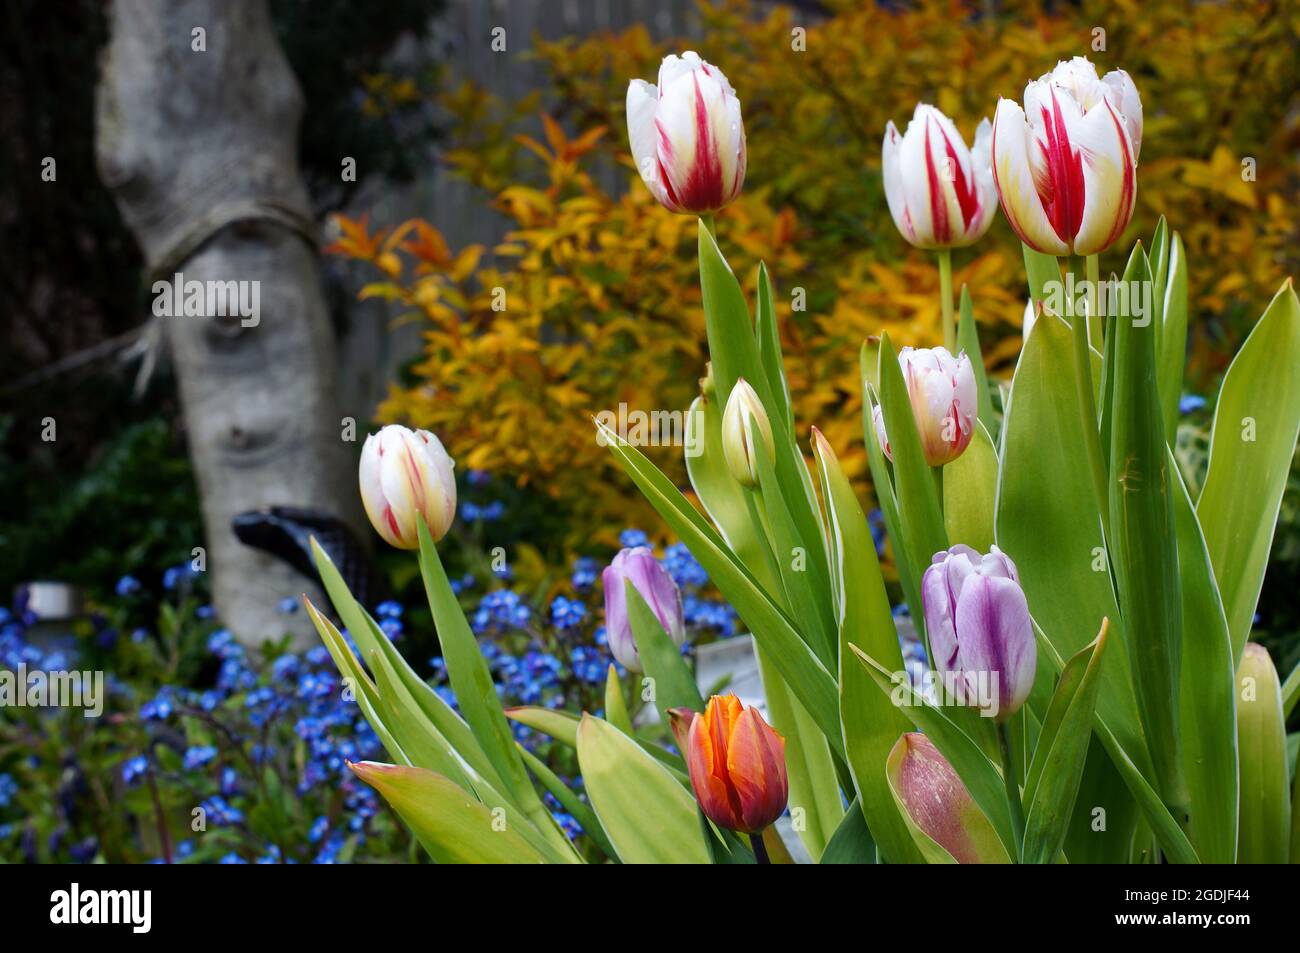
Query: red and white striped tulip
[(405, 474), (687, 136), (940, 193), (944, 398), (1065, 165)]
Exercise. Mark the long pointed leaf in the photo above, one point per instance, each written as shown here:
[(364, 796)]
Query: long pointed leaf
[(1253, 439)]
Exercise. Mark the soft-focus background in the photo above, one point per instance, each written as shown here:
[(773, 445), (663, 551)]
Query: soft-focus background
[(484, 172)]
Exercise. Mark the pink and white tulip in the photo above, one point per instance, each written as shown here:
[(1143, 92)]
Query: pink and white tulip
[(944, 400), (940, 193), (686, 135), (1065, 165), (405, 474)]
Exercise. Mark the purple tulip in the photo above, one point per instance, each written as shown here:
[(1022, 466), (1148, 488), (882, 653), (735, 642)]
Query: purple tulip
[(656, 588), (977, 619)]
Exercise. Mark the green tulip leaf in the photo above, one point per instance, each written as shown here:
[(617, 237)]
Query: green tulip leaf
[(1252, 442), (1056, 770), (476, 692), (851, 843), (649, 817), (1207, 710), (970, 486), (1144, 548), (871, 722), (452, 826)]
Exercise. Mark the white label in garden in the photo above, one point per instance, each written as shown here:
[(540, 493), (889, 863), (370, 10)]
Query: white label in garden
[(208, 299)]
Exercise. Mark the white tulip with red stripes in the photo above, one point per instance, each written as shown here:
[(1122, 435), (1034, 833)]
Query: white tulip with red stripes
[(1065, 165), (405, 474), (687, 136), (944, 398), (940, 193)]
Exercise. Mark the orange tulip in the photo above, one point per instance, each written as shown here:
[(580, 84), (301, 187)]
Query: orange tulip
[(737, 766)]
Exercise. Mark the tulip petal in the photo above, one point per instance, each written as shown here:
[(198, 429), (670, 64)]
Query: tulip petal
[(892, 174), (939, 618), (756, 767), (1123, 95), (688, 144), (642, 98), (1110, 178), (704, 760), (1016, 184), (982, 163), (996, 636), (372, 492)]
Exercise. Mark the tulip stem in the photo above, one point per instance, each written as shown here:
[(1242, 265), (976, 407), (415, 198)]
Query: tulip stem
[(1088, 413), (1009, 778), (945, 300), (1095, 320), (707, 219), (760, 849)]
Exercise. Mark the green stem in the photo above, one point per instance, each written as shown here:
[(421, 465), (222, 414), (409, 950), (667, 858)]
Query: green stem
[(937, 472), (1096, 321), (707, 219), (945, 300), (1088, 414), (1009, 778), (760, 849)]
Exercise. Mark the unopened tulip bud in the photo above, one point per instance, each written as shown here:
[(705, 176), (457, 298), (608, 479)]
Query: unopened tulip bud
[(737, 766), (1065, 165), (940, 193), (938, 802), (977, 619), (656, 587), (406, 474), (944, 399), (743, 417), (686, 135)]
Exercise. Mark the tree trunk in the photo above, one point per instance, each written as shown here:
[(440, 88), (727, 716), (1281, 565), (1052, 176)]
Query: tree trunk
[(199, 148)]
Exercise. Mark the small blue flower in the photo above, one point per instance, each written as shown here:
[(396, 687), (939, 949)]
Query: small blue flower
[(632, 538), (197, 756), (1190, 403), (127, 586), (585, 573), (160, 707), (287, 606), (567, 613), (389, 609), (134, 769), (220, 812), (8, 788)]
